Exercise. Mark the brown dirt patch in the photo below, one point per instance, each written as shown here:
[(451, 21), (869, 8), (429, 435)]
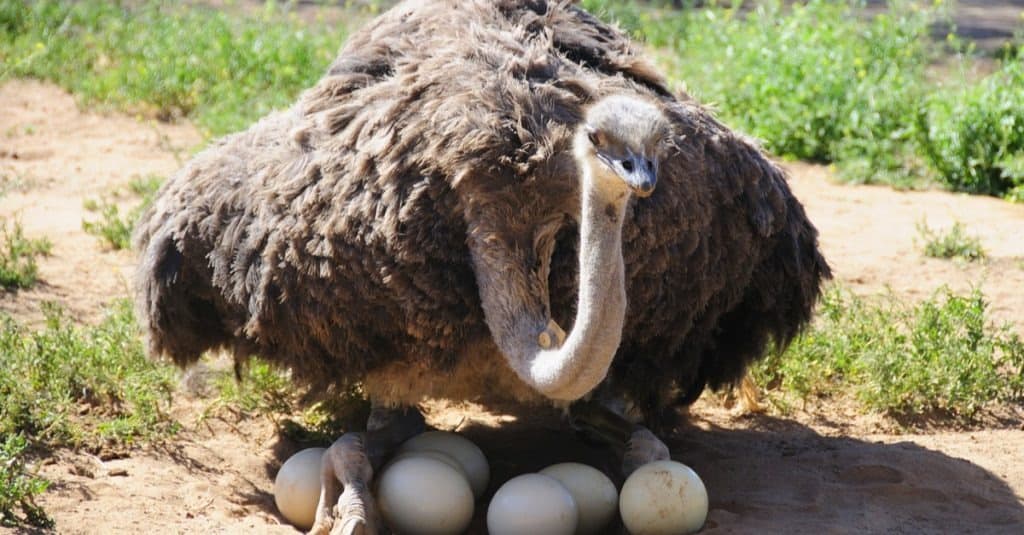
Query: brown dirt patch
[(54, 157)]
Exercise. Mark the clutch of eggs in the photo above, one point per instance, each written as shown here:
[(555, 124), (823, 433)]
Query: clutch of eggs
[(430, 486)]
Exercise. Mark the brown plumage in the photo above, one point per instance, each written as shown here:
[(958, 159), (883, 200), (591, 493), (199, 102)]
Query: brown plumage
[(347, 237)]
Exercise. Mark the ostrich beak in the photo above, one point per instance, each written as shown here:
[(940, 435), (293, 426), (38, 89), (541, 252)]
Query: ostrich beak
[(639, 173)]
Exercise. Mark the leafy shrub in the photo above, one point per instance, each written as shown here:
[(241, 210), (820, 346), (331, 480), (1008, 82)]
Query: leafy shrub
[(973, 135), (954, 243), (18, 268), (942, 355)]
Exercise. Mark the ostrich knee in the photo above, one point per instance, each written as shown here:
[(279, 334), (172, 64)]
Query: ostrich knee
[(346, 505)]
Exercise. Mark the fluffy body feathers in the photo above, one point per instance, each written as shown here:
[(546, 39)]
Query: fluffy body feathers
[(349, 236)]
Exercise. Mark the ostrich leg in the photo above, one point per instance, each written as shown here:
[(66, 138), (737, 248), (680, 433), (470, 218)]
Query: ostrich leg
[(635, 444), (346, 504)]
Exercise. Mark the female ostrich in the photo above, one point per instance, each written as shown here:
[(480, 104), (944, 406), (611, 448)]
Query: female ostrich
[(465, 179)]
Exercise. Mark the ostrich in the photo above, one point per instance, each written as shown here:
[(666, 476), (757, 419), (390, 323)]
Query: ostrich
[(469, 180)]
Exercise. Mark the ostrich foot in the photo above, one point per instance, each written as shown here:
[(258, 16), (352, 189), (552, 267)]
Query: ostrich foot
[(346, 505), (634, 443), (642, 448)]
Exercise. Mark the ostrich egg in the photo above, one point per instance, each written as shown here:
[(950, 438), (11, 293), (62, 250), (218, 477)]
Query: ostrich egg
[(420, 495), (594, 494), (468, 455), (532, 503), (297, 487), (663, 498)]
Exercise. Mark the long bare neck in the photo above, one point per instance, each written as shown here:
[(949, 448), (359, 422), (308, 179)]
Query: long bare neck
[(583, 361), (519, 323)]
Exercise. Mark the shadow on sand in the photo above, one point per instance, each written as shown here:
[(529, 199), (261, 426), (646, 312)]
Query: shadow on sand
[(777, 476)]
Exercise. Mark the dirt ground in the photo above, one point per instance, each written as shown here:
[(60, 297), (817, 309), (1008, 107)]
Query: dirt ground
[(826, 471)]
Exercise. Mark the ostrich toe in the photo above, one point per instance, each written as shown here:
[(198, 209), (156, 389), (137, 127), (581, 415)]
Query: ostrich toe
[(642, 448), (603, 421), (346, 504)]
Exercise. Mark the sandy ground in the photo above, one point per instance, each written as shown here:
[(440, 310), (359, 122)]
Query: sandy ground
[(827, 472)]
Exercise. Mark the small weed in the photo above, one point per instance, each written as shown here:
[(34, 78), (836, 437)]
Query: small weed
[(18, 487), (260, 388), (114, 229), (18, 130), (954, 243), (18, 268), (942, 355), (146, 187)]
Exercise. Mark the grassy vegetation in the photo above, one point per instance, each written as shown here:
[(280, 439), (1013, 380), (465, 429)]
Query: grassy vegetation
[(85, 386), (92, 387), (167, 59), (78, 386), (953, 243), (973, 134), (18, 268), (18, 487), (942, 356), (114, 229), (266, 391)]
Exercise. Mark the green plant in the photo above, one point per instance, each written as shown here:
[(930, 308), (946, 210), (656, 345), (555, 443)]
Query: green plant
[(972, 135), (942, 355), (18, 487), (88, 386), (954, 243), (260, 388), (18, 268), (112, 228)]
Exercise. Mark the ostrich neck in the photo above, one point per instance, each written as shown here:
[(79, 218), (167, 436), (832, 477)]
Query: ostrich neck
[(576, 368)]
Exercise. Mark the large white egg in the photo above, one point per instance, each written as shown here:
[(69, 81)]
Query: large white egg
[(297, 487), (437, 455), (419, 495), (474, 463), (663, 498), (532, 503), (594, 494)]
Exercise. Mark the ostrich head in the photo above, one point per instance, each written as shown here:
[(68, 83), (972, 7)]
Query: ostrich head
[(618, 143), (615, 148)]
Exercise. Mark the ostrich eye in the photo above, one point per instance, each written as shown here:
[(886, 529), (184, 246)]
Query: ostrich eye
[(650, 165), (595, 138), (627, 165)]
